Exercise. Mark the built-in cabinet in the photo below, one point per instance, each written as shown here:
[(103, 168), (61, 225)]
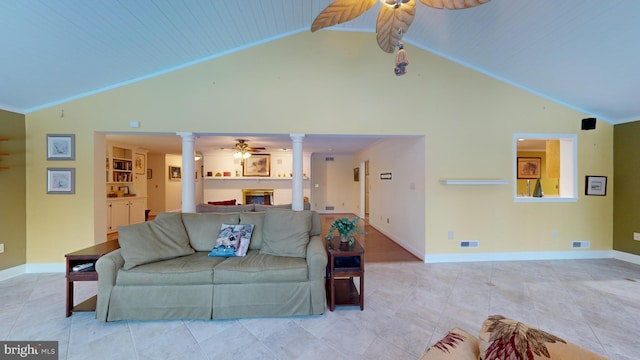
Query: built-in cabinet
[(124, 211)]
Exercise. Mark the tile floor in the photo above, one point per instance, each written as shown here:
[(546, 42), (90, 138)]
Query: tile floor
[(408, 306)]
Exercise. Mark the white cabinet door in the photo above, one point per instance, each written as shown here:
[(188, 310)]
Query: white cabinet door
[(119, 214), (136, 210)]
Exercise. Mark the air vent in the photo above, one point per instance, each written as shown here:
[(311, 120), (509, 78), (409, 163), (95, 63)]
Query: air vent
[(328, 158), (329, 207), (584, 244), (469, 244)]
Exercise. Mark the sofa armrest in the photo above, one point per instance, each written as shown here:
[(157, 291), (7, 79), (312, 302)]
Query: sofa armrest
[(107, 268), (316, 258)]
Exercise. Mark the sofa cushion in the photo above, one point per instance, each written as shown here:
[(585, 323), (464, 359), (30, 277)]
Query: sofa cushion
[(160, 239), (257, 219), (194, 269), (286, 232), (260, 268), (502, 338), (205, 208), (457, 344), (234, 237), (203, 228)]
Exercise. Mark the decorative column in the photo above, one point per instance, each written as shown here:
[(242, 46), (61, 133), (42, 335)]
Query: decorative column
[(188, 172), (297, 198)]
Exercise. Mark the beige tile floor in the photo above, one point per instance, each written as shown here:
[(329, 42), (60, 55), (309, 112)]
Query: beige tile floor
[(408, 306)]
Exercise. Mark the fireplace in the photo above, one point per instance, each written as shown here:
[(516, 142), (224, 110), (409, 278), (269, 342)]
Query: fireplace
[(257, 196)]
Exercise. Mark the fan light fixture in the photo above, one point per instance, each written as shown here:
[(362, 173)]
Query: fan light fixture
[(394, 19), (242, 150), (242, 155)]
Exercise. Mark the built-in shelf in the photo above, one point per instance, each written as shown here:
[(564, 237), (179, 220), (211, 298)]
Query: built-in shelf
[(474, 182), (248, 178)]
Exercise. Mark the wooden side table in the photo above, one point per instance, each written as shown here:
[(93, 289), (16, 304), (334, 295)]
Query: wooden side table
[(345, 263), (88, 255)]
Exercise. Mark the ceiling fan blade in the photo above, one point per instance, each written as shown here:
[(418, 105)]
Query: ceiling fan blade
[(393, 22), (453, 4), (341, 11)]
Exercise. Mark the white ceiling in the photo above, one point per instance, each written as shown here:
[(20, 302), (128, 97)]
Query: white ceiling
[(583, 54)]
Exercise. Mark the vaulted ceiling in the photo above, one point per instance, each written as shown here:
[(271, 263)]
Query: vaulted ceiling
[(583, 54)]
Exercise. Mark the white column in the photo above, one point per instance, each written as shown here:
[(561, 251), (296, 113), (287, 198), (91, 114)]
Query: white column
[(188, 172), (297, 193)]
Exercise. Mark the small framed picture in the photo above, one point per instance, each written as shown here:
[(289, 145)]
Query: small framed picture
[(356, 174), (257, 165), (61, 180), (61, 147), (149, 174), (140, 163), (529, 167), (596, 185), (124, 189), (175, 173)]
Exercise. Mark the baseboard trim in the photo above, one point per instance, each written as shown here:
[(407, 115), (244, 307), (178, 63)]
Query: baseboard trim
[(632, 258), (12, 272), (518, 256)]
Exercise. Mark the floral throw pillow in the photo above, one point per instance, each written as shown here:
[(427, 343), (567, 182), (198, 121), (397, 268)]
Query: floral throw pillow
[(233, 240), (457, 344), (503, 338)]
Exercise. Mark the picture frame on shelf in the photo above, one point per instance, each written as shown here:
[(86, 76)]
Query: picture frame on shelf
[(529, 167), (257, 165), (61, 180), (175, 173), (595, 185), (61, 147), (140, 163), (124, 189)]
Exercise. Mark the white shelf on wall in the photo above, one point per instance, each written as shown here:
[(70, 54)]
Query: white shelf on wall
[(248, 178), (474, 182)]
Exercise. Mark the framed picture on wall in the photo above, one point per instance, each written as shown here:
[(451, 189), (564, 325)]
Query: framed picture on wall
[(257, 165), (529, 167), (61, 180), (140, 163), (596, 185), (175, 173), (61, 147)]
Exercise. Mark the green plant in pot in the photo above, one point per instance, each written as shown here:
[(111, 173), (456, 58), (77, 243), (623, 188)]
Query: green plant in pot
[(345, 227)]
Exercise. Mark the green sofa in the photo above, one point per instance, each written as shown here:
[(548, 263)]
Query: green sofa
[(162, 269)]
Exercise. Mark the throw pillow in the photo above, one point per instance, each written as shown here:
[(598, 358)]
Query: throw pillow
[(457, 344), (163, 238), (503, 338), (286, 232), (233, 240), (224, 202)]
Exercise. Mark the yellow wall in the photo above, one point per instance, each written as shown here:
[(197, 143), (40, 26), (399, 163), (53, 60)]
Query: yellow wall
[(13, 231), (338, 83)]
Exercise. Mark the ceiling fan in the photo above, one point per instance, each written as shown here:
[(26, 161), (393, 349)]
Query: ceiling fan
[(243, 151), (394, 18)]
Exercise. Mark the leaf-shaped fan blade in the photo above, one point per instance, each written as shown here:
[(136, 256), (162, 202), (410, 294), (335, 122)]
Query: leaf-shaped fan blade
[(341, 11), (453, 4), (393, 23)]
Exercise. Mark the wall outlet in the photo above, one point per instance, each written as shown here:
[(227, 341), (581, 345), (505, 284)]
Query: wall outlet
[(450, 235), (636, 236), (554, 233), (1, 248)]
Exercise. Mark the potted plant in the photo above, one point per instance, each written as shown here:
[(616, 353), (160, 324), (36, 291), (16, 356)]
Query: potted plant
[(345, 227)]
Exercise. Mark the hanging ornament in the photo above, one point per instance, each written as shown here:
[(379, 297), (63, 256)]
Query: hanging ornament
[(401, 61)]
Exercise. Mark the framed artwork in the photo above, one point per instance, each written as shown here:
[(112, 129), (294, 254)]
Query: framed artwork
[(124, 189), (61, 147), (140, 163), (61, 180), (149, 174), (596, 185), (175, 173), (529, 167), (356, 174), (257, 165)]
